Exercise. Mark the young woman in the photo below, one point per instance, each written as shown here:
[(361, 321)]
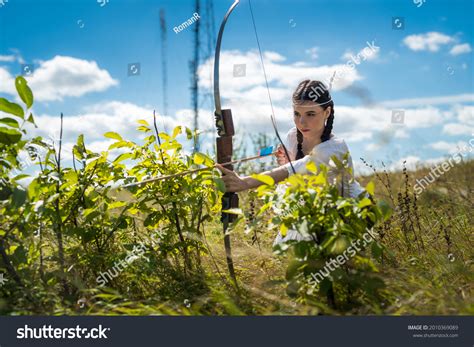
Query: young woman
[(310, 140)]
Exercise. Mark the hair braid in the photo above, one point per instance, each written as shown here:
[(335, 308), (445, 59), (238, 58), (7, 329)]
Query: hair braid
[(299, 148), (328, 128)]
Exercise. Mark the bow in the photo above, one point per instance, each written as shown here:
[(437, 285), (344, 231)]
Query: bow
[(225, 131)]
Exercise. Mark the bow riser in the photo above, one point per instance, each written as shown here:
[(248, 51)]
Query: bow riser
[(224, 145)]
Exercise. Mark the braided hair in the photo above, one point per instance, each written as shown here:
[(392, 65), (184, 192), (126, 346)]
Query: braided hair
[(317, 92)]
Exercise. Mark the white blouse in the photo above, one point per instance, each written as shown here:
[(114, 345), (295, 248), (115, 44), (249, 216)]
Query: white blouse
[(321, 154)]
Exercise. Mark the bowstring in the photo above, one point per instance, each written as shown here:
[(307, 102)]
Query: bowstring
[(272, 116)]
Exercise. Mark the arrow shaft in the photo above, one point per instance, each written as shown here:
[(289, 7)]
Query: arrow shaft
[(195, 170)]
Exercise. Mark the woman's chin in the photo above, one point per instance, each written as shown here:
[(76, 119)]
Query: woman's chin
[(308, 134)]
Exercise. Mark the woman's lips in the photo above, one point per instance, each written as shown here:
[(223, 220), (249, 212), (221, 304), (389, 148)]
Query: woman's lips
[(304, 130)]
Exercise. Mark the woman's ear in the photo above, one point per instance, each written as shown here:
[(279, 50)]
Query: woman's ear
[(328, 111)]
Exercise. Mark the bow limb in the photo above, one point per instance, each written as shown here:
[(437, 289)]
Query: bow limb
[(225, 131)]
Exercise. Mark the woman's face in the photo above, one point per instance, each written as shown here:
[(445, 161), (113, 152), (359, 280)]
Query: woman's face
[(310, 119)]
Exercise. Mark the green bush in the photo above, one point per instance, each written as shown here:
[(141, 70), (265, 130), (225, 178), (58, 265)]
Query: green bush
[(71, 224), (333, 227)]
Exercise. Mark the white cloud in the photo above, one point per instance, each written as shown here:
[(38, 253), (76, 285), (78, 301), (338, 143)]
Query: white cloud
[(448, 147), (456, 129), (412, 162), (401, 134), (372, 147), (431, 41), (313, 52), (370, 52), (116, 116), (7, 58), (8, 82), (434, 100), (460, 49), (68, 77), (59, 77), (282, 77), (465, 124)]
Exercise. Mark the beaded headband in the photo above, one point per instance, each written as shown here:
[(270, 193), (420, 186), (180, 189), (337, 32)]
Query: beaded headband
[(322, 103)]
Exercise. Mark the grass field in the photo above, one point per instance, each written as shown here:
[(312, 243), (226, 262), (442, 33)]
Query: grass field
[(426, 265)]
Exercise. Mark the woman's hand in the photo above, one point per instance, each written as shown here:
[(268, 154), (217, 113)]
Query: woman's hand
[(282, 159), (233, 183)]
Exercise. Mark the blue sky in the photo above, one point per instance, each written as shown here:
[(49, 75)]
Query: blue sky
[(81, 50)]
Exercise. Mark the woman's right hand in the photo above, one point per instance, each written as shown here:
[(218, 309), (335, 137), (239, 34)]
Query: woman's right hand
[(282, 159)]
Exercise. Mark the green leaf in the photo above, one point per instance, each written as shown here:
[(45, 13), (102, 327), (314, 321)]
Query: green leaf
[(120, 144), (5, 191), (80, 141), (143, 129), (176, 132), (116, 204), (337, 162), (122, 157), (143, 122), (376, 250), (79, 148), (283, 229), (24, 91), (339, 245), (293, 269), (201, 158), (219, 184), (9, 136), (20, 177), (33, 189), (19, 197), (264, 178), (11, 108), (71, 177), (311, 166), (370, 188), (364, 202), (385, 209), (113, 135), (31, 120), (10, 122), (321, 178), (189, 133)]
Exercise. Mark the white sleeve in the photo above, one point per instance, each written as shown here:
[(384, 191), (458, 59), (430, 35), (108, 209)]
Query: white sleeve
[(320, 155), (290, 142)]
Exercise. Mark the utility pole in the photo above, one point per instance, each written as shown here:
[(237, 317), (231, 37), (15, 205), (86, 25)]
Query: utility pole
[(164, 66), (203, 49), (194, 64)]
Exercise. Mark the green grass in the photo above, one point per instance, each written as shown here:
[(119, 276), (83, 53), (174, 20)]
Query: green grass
[(427, 265)]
